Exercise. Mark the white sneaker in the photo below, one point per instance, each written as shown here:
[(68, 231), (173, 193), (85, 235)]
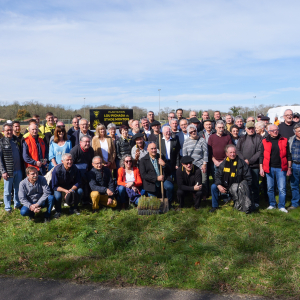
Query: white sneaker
[(256, 205), (271, 207), (283, 210)]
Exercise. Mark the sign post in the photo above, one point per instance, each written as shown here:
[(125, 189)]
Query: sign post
[(106, 116)]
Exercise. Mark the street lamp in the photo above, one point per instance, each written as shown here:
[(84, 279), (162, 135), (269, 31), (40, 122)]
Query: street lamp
[(84, 106), (159, 103)]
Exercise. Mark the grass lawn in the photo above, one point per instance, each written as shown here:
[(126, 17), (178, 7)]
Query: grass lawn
[(227, 251)]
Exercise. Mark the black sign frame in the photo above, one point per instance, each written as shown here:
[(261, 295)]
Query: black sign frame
[(106, 116)]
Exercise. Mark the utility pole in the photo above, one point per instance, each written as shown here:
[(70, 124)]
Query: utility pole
[(84, 106), (159, 103)]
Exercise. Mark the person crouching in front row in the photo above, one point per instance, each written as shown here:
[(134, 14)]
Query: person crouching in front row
[(189, 179), (34, 194), (101, 184), (66, 179)]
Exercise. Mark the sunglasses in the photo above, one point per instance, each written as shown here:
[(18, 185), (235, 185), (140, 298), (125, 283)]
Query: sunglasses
[(128, 161), (193, 131)]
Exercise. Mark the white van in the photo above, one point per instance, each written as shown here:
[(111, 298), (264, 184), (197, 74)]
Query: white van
[(279, 111)]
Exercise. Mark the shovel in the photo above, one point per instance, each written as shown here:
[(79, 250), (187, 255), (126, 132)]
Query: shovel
[(164, 206)]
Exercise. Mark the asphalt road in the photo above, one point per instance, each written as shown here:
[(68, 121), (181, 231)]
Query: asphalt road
[(22, 289)]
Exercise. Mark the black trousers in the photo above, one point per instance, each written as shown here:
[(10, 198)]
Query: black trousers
[(197, 195)]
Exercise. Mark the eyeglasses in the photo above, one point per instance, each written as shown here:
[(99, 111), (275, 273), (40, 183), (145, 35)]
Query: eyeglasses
[(288, 115), (128, 161), (274, 130), (192, 131)]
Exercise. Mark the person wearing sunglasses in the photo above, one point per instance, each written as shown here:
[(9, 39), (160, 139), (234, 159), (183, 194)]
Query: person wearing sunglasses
[(59, 146), (189, 180), (275, 163), (129, 181)]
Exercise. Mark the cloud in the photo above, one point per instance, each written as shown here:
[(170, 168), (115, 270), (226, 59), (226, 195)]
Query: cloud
[(114, 50)]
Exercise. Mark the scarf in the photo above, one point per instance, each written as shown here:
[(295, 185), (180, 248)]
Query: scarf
[(229, 172)]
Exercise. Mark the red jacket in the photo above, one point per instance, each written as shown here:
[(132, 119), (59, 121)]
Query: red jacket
[(122, 177), (282, 143)]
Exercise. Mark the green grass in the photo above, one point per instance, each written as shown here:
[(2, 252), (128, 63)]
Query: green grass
[(227, 251)]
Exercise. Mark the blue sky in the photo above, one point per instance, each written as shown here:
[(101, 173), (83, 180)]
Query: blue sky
[(203, 54)]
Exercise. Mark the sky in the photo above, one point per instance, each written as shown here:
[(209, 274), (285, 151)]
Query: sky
[(201, 54)]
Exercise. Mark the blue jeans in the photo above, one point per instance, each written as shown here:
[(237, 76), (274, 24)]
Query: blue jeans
[(122, 196), (255, 185), (25, 211), (12, 182), (213, 170), (58, 199), (215, 196), (280, 177), (295, 178), (168, 187)]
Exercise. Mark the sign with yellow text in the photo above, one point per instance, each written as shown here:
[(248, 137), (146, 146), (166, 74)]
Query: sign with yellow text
[(106, 116)]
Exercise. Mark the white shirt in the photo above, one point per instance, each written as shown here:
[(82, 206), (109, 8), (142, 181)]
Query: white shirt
[(104, 149), (129, 177), (148, 132), (168, 148)]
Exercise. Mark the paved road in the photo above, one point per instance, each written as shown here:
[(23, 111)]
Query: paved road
[(11, 288)]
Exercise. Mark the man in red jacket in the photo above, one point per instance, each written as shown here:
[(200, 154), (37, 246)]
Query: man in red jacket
[(276, 162)]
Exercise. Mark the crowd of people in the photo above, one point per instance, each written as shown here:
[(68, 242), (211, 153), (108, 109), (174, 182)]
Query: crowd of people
[(48, 166)]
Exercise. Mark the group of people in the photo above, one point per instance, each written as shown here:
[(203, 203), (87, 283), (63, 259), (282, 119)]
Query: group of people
[(103, 168)]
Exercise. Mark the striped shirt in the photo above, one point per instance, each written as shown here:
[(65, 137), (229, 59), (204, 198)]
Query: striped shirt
[(197, 149)]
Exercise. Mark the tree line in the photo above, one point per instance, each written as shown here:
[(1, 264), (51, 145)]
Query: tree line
[(25, 110)]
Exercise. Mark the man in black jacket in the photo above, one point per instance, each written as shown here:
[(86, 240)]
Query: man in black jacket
[(231, 170), (11, 166), (155, 131), (170, 148), (248, 149), (82, 157), (189, 179), (150, 173), (101, 184), (83, 131)]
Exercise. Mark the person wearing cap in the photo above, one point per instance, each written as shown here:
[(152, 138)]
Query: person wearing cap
[(294, 144), (183, 134), (139, 150), (258, 118), (265, 119), (248, 149), (232, 170), (195, 121), (276, 122), (153, 137), (275, 163), (196, 147), (286, 128), (150, 173), (189, 180), (296, 117)]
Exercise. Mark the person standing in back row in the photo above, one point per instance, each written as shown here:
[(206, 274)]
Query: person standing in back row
[(286, 128)]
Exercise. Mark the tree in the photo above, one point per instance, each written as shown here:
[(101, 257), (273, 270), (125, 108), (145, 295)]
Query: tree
[(235, 110), (23, 114)]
